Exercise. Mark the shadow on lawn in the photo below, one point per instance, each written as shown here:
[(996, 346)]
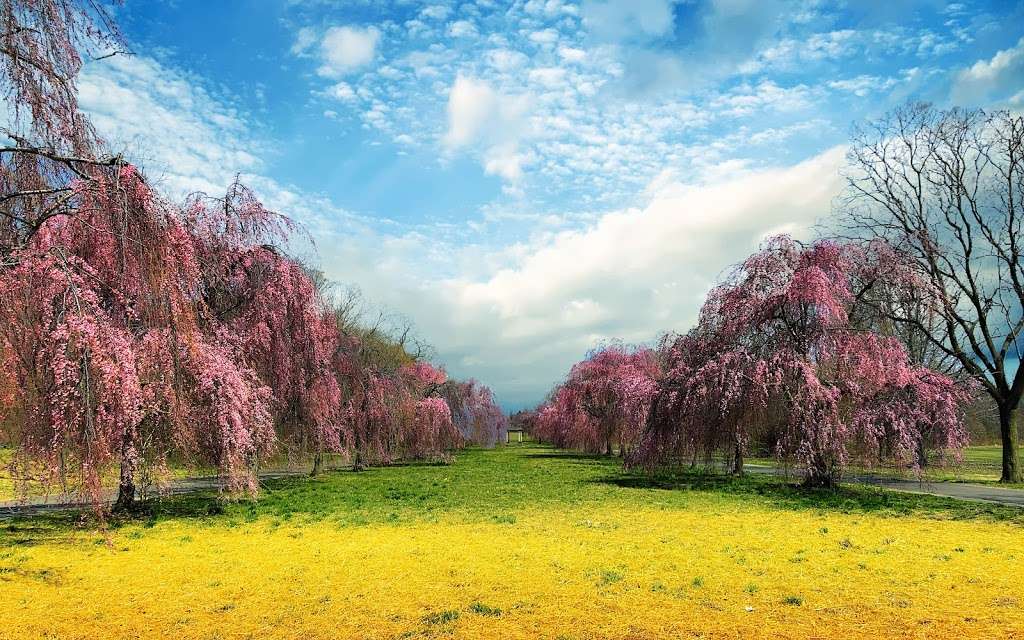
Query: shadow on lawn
[(573, 456), (786, 494)]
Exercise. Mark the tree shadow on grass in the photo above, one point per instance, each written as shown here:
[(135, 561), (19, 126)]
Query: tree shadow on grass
[(573, 456), (786, 494), (30, 527)]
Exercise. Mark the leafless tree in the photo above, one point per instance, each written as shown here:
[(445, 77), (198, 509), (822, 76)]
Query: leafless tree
[(946, 190)]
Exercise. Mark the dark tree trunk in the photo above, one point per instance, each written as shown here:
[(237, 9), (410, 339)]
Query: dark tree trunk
[(318, 463), (737, 460), (126, 485), (922, 453), (820, 473), (1008, 432), (357, 460)]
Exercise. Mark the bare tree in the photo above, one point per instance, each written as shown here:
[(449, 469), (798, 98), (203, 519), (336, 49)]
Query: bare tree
[(946, 190)]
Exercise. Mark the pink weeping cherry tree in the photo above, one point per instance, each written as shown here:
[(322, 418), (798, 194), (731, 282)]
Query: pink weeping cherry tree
[(426, 426), (603, 401), (475, 413), (776, 357), (392, 410), (115, 355), (274, 316), (113, 351)]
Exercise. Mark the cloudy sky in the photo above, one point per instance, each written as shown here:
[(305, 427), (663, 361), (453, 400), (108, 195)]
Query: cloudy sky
[(523, 180)]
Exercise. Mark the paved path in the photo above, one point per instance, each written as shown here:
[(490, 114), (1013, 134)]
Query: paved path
[(958, 490)]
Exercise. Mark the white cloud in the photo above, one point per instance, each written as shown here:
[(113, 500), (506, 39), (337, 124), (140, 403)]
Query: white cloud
[(345, 49), (548, 8), (435, 12), (342, 91), (748, 99), (506, 161), (471, 103), (482, 117), (630, 275), (570, 54), (628, 18), (304, 40), (545, 37), (548, 76), (167, 123), (462, 29), (505, 60), (997, 78), (863, 85)]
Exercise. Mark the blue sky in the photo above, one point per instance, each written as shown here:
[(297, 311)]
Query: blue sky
[(523, 180)]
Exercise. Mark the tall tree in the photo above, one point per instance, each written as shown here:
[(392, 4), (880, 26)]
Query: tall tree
[(118, 343), (603, 401), (946, 190), (775, 357)]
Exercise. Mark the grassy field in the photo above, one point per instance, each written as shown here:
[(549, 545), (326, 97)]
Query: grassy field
[(981, 464), (522, 542)]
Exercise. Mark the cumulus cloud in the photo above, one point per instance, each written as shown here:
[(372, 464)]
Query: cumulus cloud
[(1000, 78), (462, 29), (619, 19), (481, 117), (630, 275), (342, 91), (345, 49), (435, 12)]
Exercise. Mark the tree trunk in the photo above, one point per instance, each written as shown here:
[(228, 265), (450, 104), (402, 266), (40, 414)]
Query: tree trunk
[(318, 462), (737, 460), (126, 485), (1008, 431)]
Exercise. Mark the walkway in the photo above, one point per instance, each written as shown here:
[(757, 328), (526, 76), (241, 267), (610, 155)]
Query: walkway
[(958, 490)]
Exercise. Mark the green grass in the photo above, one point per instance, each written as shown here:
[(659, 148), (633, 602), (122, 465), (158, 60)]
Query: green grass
[(493, 485), (981, 464)]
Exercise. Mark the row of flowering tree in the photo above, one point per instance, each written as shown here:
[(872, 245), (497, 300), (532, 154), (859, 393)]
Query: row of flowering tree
[(135, 331), (784, 358)]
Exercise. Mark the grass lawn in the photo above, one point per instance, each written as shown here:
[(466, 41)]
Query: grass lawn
[(981, 464), (522, 542)]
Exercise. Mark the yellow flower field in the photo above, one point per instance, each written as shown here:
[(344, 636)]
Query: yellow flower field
[(715, 566)]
